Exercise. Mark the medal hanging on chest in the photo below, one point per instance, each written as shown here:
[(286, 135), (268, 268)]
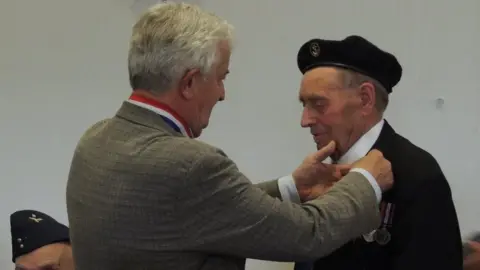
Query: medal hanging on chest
[(382, 235)]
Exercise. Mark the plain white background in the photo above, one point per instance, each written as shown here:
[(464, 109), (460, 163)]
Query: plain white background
[(63, 67)]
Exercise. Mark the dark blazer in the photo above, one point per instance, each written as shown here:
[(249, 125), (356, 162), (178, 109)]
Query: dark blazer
[(424, 229)]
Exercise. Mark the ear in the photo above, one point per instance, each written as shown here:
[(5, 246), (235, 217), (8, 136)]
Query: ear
[(367, 96), (189, 83)]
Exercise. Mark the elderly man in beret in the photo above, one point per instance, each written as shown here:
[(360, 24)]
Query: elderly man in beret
[(39, 242), (345, 91)]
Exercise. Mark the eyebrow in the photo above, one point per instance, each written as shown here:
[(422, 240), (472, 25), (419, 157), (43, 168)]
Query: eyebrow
[(312, 97)]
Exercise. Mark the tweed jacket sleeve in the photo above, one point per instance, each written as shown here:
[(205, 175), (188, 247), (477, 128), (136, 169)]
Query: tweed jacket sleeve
[(226, 214), (270, 187)]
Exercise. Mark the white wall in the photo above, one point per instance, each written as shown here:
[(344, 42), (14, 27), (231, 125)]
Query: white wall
[(63, 66)]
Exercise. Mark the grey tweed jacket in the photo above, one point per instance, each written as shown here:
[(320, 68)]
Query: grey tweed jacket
[(142, 197)]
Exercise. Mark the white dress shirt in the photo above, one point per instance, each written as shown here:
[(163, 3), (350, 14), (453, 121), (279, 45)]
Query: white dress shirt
[(287, 186)]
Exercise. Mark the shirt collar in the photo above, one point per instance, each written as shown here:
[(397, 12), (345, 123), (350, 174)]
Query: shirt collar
[(362, 146), (166, 112)]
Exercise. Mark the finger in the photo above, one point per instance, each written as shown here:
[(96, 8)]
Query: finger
[(344, 172), (343, 168), (340, 172), (325, 151), (375, 152), (337, 176)]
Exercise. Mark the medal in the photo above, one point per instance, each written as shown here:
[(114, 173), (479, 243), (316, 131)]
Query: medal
[(382, 236)]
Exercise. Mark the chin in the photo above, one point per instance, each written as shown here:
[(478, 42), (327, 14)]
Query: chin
[(321, 144), (205, 125), (196, 133)]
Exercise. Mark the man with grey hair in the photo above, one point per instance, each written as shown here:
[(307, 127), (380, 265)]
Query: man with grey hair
[(344, 91), (143, 194)]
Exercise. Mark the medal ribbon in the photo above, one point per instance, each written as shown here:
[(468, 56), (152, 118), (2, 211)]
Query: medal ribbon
[(170, 117), (387, 211)]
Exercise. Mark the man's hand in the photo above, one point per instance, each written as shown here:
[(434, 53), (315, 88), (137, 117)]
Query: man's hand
[(313, 177), (379, 167), (472, 261)]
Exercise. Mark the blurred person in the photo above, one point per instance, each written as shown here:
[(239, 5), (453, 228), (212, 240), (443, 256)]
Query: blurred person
[(471, 253), (472, 261), (142, 193), (39, 242), (345, 91)]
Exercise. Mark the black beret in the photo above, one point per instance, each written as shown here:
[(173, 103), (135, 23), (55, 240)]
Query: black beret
[(354, 53), (32, 229)]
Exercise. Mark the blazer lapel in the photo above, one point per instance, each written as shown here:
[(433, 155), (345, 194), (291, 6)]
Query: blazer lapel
[(385, 141), (384, 144)]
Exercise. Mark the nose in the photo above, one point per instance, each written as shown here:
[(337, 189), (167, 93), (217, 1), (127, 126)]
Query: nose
[(308, 118)]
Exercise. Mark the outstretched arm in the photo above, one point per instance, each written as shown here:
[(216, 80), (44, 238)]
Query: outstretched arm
[(232, 216)]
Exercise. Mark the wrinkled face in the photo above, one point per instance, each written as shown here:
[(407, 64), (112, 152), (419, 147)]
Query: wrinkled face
[(50, 257), (333, 112), (203, 91)]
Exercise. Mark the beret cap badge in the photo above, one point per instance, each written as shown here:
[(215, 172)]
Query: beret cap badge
[(315, 49)]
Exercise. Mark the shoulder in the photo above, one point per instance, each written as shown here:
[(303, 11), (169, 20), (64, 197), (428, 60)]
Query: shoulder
[(193, 155), (202, 156), (191, 149), (414, 155), (206, 168), (90, 136), (145, 148), (415, 169), (94, 129)]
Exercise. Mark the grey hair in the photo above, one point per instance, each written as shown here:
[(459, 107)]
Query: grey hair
[(355, 79), (171, 38)]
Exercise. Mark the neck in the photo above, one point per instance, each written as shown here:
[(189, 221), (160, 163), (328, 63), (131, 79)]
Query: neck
[(355, 134), (167, 99)]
